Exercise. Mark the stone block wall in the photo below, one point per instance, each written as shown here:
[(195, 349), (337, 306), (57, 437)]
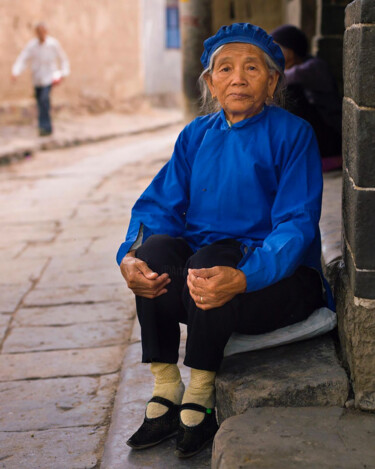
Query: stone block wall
[(359, 147), (355, 286), (356, 323)]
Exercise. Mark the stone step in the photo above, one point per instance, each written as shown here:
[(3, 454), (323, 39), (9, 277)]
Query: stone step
[(291, 438), (301, 374)]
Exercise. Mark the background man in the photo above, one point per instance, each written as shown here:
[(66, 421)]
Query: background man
[(311, 89), (43, 54)]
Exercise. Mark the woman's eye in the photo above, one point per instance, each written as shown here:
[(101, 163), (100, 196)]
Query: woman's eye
[(251, 68), (224, 69)]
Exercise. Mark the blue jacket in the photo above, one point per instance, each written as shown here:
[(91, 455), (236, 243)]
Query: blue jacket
[(258, 181)]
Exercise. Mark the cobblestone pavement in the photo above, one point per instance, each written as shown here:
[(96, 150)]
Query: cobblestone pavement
[(65, 313)]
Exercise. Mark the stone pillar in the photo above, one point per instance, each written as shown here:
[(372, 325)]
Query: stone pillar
[(356, 283), (195, 16), (328, 41)]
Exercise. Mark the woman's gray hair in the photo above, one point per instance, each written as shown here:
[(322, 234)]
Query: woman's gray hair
[(209, 105)]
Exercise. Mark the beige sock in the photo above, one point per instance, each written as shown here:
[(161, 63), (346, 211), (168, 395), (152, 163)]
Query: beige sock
[(168, 384), (201, 390)]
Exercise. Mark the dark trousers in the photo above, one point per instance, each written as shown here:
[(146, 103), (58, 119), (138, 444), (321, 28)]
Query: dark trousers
[(289, 301), (42, 94)]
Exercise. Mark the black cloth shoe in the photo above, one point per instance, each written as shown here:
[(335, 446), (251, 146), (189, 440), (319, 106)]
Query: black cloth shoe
[(191, 440), (154, 431)]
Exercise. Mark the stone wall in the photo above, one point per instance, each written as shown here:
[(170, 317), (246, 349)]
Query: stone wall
[(356, 323), (356, 283), (101, 38), (359, 147)]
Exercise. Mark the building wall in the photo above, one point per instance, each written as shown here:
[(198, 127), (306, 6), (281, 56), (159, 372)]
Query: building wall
[(162, 66), (101, 38), (267, 14)]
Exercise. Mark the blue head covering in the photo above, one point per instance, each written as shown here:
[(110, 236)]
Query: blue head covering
[(242, 32)]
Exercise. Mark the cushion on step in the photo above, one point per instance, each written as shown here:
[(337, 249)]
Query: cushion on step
[(319, 322)]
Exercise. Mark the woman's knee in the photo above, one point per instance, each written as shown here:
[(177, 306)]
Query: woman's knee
[(161, 252), (216, 254)]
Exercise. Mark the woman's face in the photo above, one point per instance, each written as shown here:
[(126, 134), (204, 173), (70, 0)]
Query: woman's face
[(241, 80)]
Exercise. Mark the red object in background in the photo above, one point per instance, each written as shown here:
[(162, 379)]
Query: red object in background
[(330, 163)]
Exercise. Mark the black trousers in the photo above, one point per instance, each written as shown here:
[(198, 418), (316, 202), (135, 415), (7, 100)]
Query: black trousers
[(289, 301)]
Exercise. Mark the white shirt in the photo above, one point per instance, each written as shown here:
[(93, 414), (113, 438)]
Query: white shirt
[(43, 58)]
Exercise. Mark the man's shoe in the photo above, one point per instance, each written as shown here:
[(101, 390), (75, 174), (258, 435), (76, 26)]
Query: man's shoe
[(44, 133), (192, 440), (154, 431)]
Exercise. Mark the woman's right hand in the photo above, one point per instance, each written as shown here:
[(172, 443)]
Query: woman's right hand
[(141, 279)]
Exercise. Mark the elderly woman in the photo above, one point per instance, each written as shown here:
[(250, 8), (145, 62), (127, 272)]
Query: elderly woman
[(226, 236)]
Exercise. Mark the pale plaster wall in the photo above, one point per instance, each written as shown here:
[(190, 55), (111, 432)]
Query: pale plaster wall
[(293, 12), (101, 38), (162, 66)]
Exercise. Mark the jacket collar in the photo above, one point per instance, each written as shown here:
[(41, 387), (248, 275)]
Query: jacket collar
[(244, 122)]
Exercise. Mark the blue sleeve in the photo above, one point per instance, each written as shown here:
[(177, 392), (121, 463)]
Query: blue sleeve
[(295, 215), (162, 206)]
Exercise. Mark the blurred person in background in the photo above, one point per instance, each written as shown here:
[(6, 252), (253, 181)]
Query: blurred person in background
[(311, 89), (42, 54)]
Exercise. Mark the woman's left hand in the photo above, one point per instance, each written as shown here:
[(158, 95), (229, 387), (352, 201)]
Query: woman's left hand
[(213, 287)]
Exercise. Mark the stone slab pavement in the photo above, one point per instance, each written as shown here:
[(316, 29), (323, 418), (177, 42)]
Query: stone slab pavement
[(66, 315), (21, 141)]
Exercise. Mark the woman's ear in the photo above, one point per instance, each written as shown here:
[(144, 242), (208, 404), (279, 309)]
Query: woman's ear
[(272, 82), (211, 87)]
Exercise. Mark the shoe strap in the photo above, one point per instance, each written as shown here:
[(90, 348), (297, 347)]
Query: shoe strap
[(197, 407), (162, 401)]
